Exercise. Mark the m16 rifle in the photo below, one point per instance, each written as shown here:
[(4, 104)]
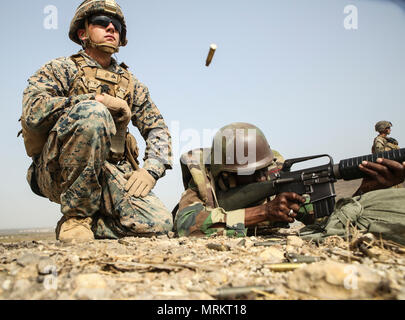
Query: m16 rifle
[(315, 182)]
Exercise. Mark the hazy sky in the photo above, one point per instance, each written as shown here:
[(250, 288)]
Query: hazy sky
[(289, 67)]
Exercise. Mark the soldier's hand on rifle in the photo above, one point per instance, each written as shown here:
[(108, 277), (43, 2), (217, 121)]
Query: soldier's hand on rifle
[(383, 174), (140, 183), (118, 108), (284, 207)]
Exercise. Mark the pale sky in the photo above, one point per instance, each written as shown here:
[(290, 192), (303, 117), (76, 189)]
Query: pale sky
[(289, 67)]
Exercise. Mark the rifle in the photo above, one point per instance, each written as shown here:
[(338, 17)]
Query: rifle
[(392, 141), (316, 182)]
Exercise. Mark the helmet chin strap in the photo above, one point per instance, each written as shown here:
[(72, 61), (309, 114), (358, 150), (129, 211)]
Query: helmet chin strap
[(105, 46)]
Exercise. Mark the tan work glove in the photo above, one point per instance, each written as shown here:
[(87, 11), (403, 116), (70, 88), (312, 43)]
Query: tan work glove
[(140, 183), (118, 108)]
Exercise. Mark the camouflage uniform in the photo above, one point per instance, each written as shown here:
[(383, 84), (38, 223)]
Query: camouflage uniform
[(198, 208), (383, 143), (72, 169)]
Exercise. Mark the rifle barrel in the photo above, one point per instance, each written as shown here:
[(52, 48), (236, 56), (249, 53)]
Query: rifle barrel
[(348, 169)]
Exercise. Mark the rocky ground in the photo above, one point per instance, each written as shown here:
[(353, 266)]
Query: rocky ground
[(280, 266)]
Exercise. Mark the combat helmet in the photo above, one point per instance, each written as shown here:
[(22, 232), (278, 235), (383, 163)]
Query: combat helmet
[(90, 7), (240, 148), (382, 125)]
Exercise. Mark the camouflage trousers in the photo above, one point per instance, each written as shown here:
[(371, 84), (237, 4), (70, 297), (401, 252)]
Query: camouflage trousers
[(72, 171)]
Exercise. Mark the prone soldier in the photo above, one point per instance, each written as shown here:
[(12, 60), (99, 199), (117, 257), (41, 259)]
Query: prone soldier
[(208, 173)]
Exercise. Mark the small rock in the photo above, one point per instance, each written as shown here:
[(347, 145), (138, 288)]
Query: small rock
[(272, 254), (116, 249), (46, 266), (6, 285), (295, 241), (296, 258), (368, 262), (183, 241), (21, 286), (367, 239), (90, 281), (124, 242), (40, 279), (291, 249), (379, 254), (155, 260), (242, 243), (332, 280), (91, 287), (74, 259), (28, 272), (28, 259), (92, 294), (63, 244), (249, 243), (13, 269)]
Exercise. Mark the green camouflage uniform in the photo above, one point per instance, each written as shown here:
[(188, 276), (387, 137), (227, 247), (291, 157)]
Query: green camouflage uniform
[(72, 169), (198, 208)]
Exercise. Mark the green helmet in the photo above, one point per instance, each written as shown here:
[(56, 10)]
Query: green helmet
[(241, 148), (90, 7), (382, 125)]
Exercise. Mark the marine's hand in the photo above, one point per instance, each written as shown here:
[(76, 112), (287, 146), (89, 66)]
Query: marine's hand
[(381, 175), (118, 107), (280, 208), (140, 183)]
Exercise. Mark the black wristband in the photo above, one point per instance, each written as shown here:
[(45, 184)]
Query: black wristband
[(154, 175)]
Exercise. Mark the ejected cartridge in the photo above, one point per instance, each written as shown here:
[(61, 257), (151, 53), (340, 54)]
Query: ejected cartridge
[(211, 54)]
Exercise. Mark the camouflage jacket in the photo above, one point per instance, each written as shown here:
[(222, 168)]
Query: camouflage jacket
[(382, 144), (47, 97), (198, 208)]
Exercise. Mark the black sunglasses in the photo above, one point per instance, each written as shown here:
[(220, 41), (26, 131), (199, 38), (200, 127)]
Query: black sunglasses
[(105, 21)]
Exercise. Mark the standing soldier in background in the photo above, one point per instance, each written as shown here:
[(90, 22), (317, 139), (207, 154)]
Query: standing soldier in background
[(76, 111), (384, 143)]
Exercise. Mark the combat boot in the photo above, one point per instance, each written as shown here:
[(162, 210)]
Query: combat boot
[(74, 229)]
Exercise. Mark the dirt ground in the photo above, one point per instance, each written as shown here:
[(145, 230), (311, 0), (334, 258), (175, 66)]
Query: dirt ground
[(280, 266)]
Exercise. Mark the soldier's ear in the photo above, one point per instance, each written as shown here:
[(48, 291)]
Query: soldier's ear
[(81, 33)]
